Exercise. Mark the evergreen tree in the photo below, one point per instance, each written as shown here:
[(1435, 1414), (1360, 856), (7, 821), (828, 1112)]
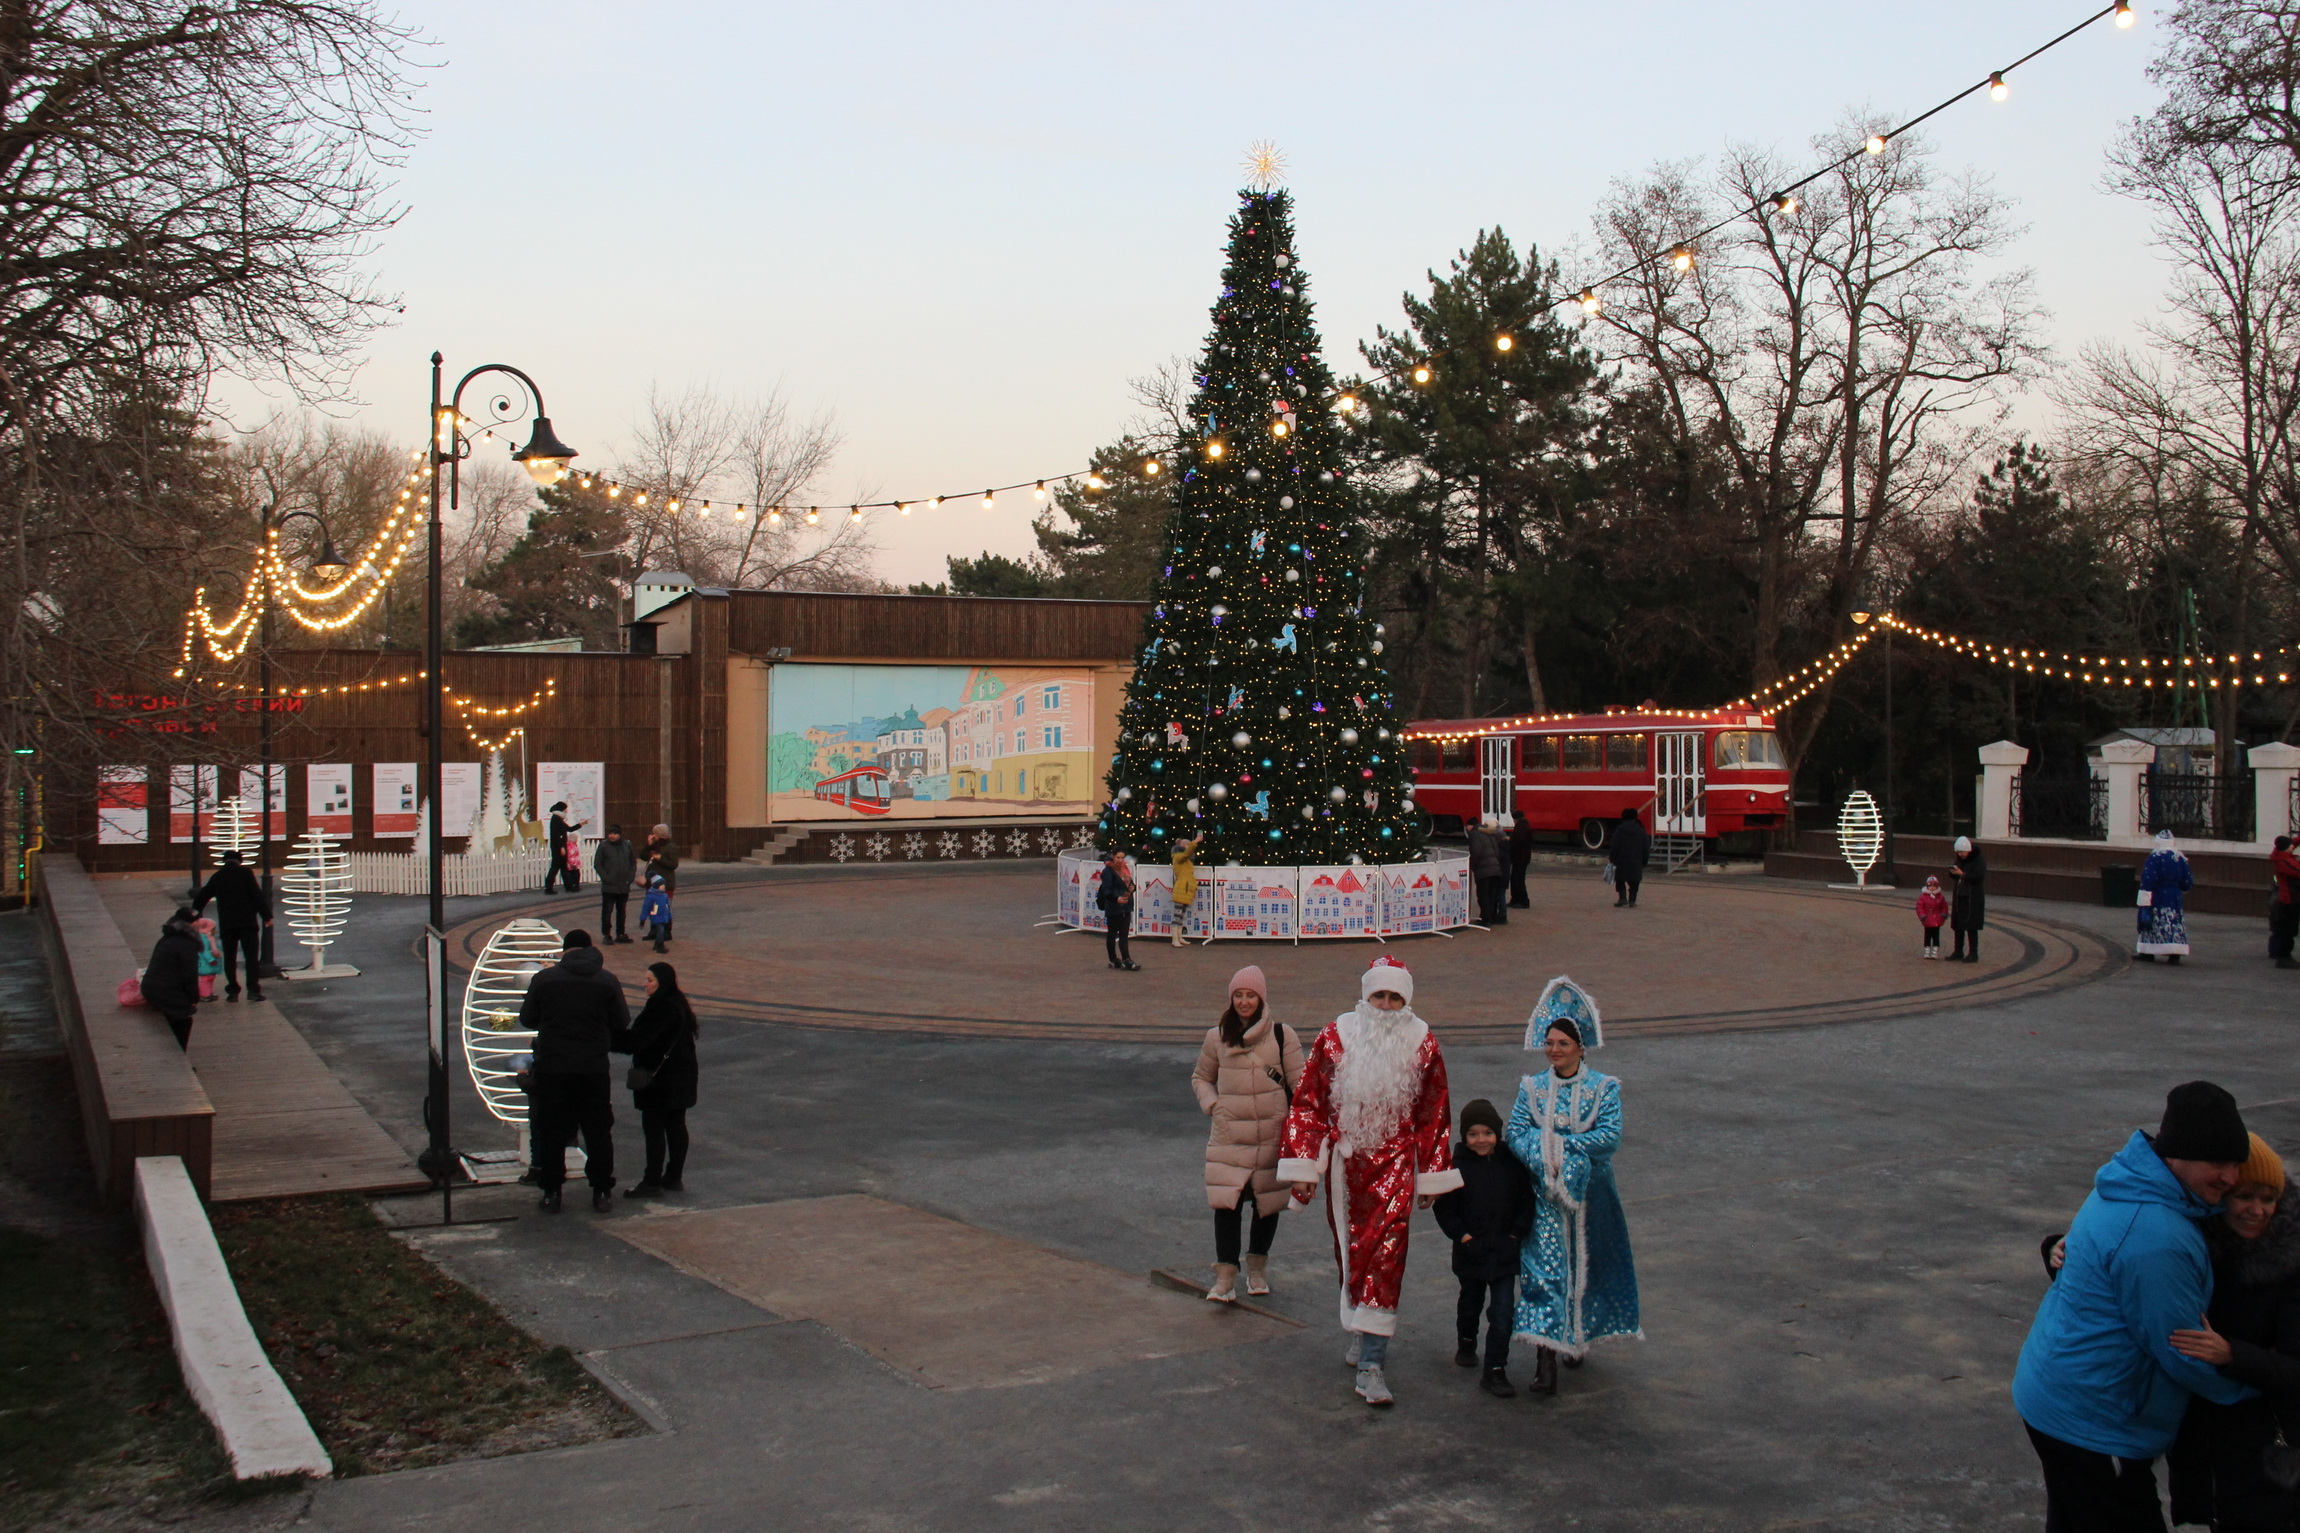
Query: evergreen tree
[(559, 580), (1260, 712), (1115, 540), (990, 575)]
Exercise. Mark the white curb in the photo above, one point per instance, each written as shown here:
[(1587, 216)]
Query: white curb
[(258, 1421)]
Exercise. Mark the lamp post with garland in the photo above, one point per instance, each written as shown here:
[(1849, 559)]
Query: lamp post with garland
[(546, 460)]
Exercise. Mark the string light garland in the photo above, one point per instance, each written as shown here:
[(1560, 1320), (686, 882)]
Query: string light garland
[(2255, 668)]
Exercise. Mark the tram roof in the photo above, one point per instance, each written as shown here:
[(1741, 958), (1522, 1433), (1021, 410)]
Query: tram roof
[(1643, 717)]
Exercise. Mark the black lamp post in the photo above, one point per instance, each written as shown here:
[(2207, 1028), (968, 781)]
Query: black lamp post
[(546, 460), (327, 564)]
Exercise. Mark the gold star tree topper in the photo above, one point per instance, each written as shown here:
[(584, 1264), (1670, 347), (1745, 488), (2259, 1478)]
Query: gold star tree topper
[(1265, 164)]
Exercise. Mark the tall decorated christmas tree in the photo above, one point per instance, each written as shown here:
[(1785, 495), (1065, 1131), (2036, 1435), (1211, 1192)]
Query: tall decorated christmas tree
[(1260, 713)]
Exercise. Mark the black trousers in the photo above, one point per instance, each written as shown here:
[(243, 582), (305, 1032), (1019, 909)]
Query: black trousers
[(613, 910), (1114, 935), (2283, 926), (238, 942), (1933, 938), (2088, 1492), (182, 1028), (1518, 898), (1493, 899), (558, 1105), (559, 869), (1227, 1220), (1967, 943), (1625, 885), (1497, 1300), (665, 1129)]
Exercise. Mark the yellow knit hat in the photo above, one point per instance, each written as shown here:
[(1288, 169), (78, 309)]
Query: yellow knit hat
[(2265, 1167)]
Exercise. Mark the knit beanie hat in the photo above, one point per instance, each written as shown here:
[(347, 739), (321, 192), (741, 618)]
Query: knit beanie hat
[(2201, 1123), (1250, 978), (1480, 1112), (2265, 1168), (1386, 973)]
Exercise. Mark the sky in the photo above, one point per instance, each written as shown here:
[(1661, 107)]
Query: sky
[(959, 230)]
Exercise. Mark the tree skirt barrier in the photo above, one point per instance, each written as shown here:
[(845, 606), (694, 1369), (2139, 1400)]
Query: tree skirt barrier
[(1399, 899)]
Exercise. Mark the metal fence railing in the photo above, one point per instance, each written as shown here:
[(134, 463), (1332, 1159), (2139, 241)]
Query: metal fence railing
[(2204, 805), (2060, 808)]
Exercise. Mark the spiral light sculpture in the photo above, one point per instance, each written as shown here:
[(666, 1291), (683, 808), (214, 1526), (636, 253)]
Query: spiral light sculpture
[(492, 1036), (1860, 835), (316, 893)]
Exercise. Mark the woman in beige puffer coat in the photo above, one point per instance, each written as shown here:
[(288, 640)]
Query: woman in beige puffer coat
[(1245, 1080)]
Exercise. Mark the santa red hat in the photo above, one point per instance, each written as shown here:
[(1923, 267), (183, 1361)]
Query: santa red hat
[(1386, 973)]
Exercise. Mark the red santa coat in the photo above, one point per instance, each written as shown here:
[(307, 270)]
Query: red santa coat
[(1370, 1189)]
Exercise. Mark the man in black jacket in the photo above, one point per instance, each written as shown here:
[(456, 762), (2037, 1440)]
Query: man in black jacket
[(1486, 1220), (242, 912), (1632, 844), (614, 862), (577, 1012), (171, 983)]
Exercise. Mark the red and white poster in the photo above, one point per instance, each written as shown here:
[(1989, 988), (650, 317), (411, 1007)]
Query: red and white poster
[(275, 822), (327, 798), (123, 806), (395, 811), (191, 791)]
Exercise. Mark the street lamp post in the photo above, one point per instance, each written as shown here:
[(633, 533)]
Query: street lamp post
[(546, 459)]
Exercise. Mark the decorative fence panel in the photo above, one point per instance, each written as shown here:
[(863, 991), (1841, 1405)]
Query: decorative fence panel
[(2203, 805), (2060, 808)]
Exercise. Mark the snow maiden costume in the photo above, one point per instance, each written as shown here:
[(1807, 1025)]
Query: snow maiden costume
[(1578, 1279), (2164, 881), (1371, 1122)]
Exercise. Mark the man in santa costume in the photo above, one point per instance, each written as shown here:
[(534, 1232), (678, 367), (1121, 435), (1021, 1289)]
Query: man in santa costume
[(1370, 1119)]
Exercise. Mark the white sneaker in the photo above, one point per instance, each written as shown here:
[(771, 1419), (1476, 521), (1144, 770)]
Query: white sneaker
[(1372, 1389), (1350, 1358)]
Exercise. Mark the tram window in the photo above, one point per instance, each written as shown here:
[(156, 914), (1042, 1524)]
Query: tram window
[(1583, 753), (1625, 753), (1537, 753), (1460, 756), (1749, 748), (1425, 755)]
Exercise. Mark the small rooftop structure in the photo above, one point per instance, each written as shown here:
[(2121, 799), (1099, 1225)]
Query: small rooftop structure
[(658, 588)]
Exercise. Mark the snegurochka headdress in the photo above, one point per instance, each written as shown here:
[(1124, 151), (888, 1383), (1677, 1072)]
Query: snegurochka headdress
[(1563, 1000)]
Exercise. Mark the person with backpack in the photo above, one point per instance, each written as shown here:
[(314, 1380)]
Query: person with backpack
[(1247, 1070)]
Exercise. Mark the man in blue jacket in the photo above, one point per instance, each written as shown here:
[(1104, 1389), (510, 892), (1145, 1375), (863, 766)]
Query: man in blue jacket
[(2099, 1386)]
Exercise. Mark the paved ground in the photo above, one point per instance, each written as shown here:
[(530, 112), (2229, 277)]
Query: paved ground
[(1836, 1228)]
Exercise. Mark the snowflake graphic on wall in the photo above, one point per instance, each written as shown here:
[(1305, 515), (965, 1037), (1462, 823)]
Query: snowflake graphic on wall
[(1082, 837), (1018, 841), (983, 841), (842, 847), (878, 847), (1050, 842), (949, 843), (914, 845)]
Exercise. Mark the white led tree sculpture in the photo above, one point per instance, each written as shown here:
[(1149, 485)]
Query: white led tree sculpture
[(237, 830), (316, 894), (1860, 838), (493, 1040)]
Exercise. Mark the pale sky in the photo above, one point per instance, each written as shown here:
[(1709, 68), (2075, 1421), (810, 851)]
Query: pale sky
[(961, 228)]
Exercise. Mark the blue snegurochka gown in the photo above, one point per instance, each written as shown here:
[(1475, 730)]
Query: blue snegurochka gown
[(1577, 1276)]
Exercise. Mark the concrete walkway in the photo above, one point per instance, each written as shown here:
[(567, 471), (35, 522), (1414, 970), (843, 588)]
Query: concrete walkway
[(1836, 1228)]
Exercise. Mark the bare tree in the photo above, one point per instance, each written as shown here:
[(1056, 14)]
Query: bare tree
[(2233, 76)]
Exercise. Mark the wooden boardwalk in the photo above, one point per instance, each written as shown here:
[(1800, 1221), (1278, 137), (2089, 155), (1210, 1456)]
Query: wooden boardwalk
[(284, 1125)]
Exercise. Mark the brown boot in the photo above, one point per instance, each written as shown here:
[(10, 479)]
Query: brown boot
[(1257, 1275), (1544, 1371), (1225, 1289)]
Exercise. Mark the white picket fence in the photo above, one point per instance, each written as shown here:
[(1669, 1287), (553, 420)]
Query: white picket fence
[(484, 873)]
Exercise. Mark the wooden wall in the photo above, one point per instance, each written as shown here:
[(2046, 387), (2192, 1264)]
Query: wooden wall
[(948, 629)]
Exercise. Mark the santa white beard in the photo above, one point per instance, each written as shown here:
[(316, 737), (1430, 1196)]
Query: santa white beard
[(1377, 1080)]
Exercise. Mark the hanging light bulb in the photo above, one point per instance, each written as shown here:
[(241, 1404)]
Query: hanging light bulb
[(814, 516), (775, 515), (1213, 449), (1040, 492), (1421, 375), (1590, 302), (1681, 258), (1785, 203), (1347, 403), (987, 502), (1998, 90), (1875, 143), (1150, 468), (854, 513), (2125, 15), (1502, 343), (902, 508), (935, 504), (1095, 482), (1277, 428)]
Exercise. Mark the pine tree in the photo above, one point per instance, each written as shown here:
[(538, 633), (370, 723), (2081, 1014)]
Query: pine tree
[(1260, 712), (559, 580)]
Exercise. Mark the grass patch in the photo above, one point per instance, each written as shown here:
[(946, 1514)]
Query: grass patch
[(93, 1413), (395, 1363)]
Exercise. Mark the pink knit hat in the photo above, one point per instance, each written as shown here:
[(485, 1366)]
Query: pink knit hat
[(1250, 978)]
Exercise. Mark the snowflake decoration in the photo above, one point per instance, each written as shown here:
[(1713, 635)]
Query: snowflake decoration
[(1265, 164), (949, 843), (1018, 842), (842, 847), (1050, 842), (1082, 837), (914, 845), (877, 846), (983, 841)]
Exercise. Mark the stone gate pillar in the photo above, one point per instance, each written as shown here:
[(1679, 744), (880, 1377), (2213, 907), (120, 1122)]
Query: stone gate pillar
[(2000, 762)]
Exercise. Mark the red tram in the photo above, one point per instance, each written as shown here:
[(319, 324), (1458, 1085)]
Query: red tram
[(1701, 774), (865, 790)]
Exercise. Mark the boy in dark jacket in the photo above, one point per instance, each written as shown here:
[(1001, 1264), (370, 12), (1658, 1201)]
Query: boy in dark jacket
[(1486, 1220), (171, 982)]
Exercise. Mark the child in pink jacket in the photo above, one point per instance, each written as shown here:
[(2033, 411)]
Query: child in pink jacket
[(1932, 910)]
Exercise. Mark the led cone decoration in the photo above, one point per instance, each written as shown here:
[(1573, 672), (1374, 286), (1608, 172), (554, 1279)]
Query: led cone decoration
[(1259, 712), (493, 1040), (1860, 835), (316, 892), (238, 829)]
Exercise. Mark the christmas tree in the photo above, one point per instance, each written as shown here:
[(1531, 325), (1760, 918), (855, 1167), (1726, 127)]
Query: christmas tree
[(1260, 713)]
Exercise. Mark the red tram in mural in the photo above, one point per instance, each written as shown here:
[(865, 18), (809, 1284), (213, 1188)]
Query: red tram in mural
[(865, 790), (1702, 774)]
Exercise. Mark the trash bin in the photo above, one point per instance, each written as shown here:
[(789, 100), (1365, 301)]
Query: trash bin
[(2119, 885)]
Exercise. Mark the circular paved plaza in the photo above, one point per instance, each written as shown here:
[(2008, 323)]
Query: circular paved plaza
[(971, 951)]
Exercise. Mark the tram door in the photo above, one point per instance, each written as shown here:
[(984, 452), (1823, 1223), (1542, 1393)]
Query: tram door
[(1678, 808), (1497, 776)]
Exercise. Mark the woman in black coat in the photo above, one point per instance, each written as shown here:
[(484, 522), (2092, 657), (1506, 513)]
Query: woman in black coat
[(2251, 1334), (664, 1073), (171, 983), (1968, 901)]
